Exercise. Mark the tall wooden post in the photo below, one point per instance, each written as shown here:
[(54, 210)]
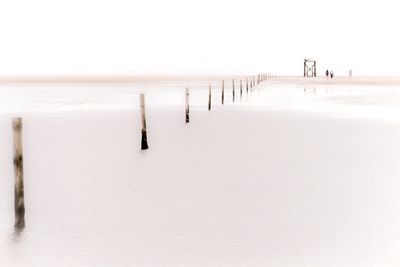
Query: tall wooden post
[(187, 105), (315, 69), (19, 204), (143, 118), (223, 89), (233, 90), (209, 96), (247, 85)]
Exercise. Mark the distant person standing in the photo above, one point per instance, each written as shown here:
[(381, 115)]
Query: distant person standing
[(327, 74), (350, 72), (331, 74)]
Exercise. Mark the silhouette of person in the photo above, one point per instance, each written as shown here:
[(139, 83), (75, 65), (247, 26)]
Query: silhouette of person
[(327, 73), (331, 74)]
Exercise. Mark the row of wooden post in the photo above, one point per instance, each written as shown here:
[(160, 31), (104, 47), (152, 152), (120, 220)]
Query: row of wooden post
[(260, 78), (19, 204)]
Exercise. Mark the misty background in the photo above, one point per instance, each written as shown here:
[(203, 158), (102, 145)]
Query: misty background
[(177, 37)]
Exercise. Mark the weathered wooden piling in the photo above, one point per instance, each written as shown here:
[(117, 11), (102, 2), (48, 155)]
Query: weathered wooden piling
[(209, 96), (19, 204), (241, 89), (144, 144), (223, 93), (187, 105), (233, 90), (247, 85)]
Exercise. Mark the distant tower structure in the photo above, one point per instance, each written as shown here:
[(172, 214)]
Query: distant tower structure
[(310, 68)]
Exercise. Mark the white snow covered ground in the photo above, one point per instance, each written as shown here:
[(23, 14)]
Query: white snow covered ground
[(292, 175)]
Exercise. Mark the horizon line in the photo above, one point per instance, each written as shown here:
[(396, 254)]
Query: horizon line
[(137, 78)]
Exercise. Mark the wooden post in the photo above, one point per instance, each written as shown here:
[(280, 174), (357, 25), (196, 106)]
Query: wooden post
[(19, 204), (241, 89), (233, 90), (223, 96), (209, 96), (247, 85), (143, 116), (187, 105)]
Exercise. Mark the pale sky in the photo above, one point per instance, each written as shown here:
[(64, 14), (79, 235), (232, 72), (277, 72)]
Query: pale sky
[(155, 37)]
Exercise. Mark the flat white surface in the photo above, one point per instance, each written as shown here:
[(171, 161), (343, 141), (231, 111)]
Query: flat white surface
[(284, 178)]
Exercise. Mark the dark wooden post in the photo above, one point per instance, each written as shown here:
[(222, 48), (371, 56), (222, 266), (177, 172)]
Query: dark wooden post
[(315, 69), (19, 204), (233, 90), (241, 89), (187, 105), (143, 118), (247, 85), (209, 96), (223, 89)]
